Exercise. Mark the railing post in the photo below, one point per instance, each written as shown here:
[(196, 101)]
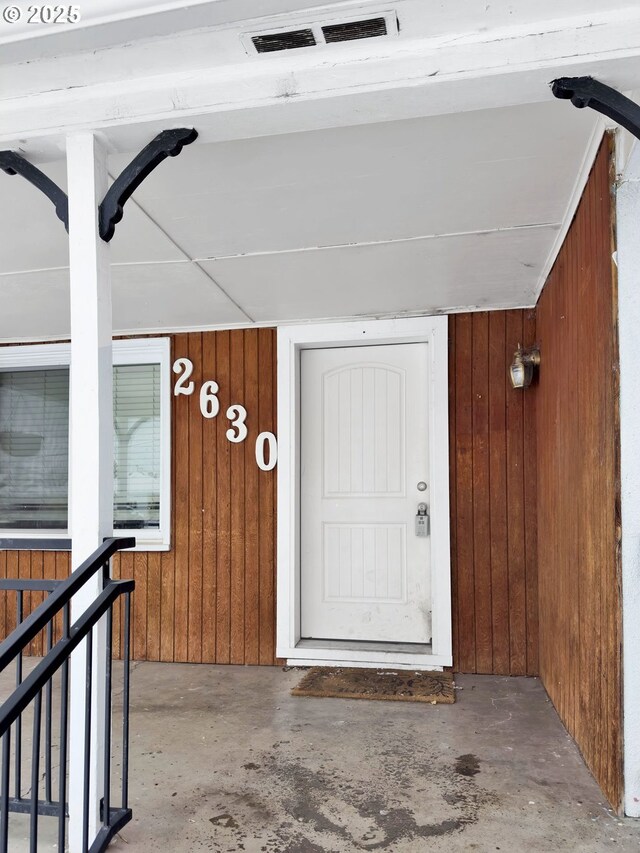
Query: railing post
[(18, 747), (4, 792), (64, 734), (35, 773), (91, 457), (126, 699), (107, 727), (48, 730)]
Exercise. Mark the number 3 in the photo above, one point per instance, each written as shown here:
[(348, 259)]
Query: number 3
[(237, 415)]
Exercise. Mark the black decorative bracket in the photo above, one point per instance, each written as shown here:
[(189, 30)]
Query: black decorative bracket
[(15, 164), (169, 143), (587, 92)]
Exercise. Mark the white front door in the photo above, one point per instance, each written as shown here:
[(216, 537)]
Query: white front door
[(364, 444)]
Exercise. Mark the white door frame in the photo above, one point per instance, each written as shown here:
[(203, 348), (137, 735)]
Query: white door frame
[(291, 340)]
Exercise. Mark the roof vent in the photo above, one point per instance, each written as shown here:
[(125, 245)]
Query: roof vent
[(319, 33), (371, 28), (270, 42)]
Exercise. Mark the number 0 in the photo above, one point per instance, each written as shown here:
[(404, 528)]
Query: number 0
[(264, 439)]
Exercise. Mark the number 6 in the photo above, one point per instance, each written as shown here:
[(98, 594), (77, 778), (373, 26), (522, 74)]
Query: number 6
[(209, 403), (237, 415)]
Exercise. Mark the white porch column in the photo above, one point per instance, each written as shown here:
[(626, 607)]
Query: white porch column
[(91, 448), (628, 228)]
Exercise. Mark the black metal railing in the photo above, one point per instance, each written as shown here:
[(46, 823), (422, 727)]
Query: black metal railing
[(22, 587), (49, 680)]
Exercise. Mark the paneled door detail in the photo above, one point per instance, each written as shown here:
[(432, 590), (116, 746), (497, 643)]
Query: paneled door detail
[(365, 573)]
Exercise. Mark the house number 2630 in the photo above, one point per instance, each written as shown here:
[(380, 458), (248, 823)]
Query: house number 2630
[(266, 443)]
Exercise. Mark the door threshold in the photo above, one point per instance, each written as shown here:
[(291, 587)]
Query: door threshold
[(366, 646), (411, 656)]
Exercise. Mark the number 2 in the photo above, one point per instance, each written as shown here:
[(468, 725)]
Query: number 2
[(237, 415), (182, 386)]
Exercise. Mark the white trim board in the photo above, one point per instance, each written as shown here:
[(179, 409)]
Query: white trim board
[(586, 166), (386, 664), (291, 340), (272, 324), (628, 260)]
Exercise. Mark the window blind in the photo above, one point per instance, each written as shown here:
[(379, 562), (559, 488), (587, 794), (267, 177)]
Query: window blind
[(136, 414), (34, 448)]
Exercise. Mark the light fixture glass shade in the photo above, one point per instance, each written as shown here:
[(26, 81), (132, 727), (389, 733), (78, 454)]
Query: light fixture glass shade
[(522, 366), (518, 373)]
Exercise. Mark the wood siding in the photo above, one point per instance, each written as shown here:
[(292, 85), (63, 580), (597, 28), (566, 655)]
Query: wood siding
[(578, 477), (211, 598), (493, 497), (35, 565)]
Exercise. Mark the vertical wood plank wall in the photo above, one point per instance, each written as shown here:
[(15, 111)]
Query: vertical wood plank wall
[(211, 598), (578, 479), (492, 452)]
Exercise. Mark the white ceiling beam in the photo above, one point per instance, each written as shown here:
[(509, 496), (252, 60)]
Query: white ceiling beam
[(354, 84)]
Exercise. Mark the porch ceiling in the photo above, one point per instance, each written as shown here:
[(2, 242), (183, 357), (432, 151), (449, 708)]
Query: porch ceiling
[(421, 215), (379, 177)]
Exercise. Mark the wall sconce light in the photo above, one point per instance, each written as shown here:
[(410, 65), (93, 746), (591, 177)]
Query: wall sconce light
[(522, 367)]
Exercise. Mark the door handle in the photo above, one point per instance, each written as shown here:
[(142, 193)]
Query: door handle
[(422, 520)]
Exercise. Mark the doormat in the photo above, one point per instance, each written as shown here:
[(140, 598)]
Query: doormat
[(388, 684)]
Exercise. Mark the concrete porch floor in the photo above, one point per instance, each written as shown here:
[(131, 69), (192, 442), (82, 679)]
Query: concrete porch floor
[(224, 759)]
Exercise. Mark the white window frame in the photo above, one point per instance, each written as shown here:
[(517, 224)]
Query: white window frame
[(133, 351), (291, 341)]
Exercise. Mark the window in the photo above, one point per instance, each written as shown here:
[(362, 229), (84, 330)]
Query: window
[(136, 463), (34, 448), (34, 440)]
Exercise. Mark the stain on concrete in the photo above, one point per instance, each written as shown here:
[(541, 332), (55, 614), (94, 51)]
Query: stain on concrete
[(302, 846), (467, 765), (224, 820), (329, 811)]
